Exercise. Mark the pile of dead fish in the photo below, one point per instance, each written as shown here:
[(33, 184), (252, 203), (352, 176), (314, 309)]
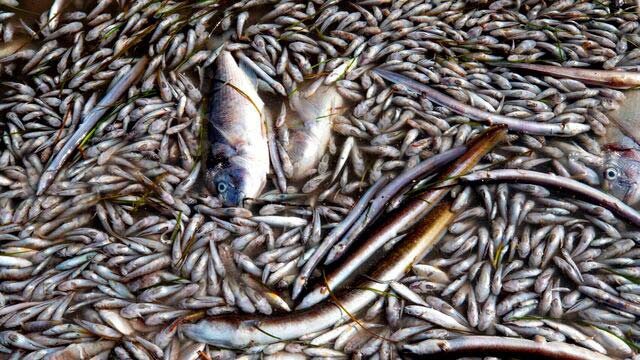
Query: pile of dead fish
[(201, 179)]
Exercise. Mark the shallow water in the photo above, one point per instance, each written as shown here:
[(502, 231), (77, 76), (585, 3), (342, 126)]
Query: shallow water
[(128, 244)]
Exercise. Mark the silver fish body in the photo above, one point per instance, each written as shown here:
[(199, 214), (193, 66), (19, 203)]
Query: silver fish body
[(239, 157), (310, 128)]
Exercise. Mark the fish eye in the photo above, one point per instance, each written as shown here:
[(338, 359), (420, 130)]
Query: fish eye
[(222, 187), (611, 173)]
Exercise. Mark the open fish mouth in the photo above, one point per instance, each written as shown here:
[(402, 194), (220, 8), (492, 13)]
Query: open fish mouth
[(632, 196)]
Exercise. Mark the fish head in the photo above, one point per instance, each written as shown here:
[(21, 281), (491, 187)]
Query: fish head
[(621, 177), (232, 184), (621, 146)]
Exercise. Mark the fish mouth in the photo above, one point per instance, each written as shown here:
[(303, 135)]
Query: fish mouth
[(632, 196), (241, 198), (237, 200)]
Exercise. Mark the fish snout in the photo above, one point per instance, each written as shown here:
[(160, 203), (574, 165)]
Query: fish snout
[(632, 197), (229, 184), (231, 197)]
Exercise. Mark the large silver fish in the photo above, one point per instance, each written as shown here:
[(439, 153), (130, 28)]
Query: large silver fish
[(238, 161), (621, 163), (310, 128)]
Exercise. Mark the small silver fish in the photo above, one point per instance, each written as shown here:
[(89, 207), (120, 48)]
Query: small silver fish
[(239, 157)]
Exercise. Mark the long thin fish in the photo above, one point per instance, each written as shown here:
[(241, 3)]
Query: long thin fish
[(481, 346), (559, 182), (609, 78), (237, 331), (389, 192), (373, 211), (523, 126), (335, 234), (402, 219), (90, 120)]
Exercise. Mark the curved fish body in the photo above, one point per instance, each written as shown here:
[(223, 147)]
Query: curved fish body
[(489, 118), (238, 161), (310, 128)]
